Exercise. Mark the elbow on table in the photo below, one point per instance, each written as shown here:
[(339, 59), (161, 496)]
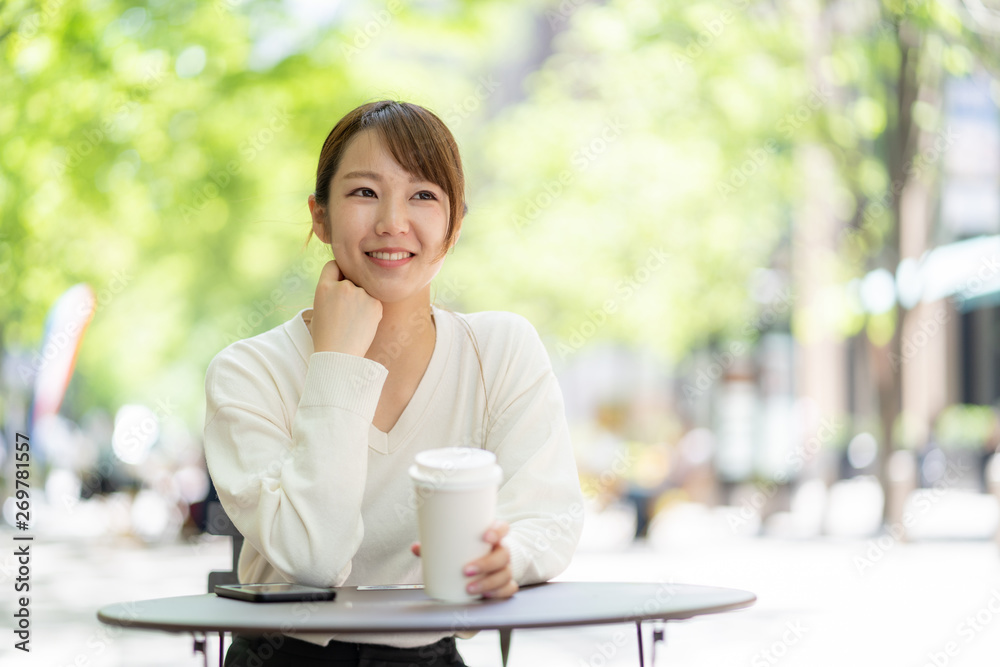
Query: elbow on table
[(320, 562), (322, 575), (548, 552)]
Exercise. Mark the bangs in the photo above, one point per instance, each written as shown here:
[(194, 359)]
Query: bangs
[(413, 139)]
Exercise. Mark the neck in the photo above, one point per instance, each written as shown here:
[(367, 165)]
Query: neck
[(406, 331)]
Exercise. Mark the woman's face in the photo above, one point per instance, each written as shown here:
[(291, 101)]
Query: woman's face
[(387, 226)]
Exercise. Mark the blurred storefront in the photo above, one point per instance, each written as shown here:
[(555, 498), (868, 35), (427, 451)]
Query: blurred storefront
[(769, 403)]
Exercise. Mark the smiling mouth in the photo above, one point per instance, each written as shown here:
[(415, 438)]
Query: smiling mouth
[(390, 255)]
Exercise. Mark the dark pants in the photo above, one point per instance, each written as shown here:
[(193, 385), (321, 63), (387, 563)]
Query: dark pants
[(276, 650)]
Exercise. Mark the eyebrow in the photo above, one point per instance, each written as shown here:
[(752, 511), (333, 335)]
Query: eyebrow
[(377, 177)]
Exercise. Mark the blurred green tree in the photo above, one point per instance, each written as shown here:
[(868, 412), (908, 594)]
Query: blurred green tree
[(631, 164)]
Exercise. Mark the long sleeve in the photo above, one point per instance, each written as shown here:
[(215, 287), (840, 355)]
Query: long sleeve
[(294, 493), (540, 494)]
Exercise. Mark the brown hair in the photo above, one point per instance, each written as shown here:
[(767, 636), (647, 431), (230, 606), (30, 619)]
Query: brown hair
[(417, 139)]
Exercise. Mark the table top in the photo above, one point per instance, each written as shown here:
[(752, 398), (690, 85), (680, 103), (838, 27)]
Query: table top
[(545, 605)]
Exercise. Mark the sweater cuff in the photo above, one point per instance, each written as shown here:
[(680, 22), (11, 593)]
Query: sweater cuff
[(518, 562), (335, 379)]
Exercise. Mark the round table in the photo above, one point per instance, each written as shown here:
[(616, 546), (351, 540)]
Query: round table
[(553, 604)]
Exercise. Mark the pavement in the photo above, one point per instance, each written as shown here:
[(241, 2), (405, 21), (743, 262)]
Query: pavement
[(875, 601)]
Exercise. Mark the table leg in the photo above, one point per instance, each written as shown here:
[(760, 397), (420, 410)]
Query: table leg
[(222, 646), (504, 645), (201, 646), (638, 629), (658, 636)]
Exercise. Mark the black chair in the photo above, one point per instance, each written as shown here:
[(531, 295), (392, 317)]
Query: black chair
[(217, 522)]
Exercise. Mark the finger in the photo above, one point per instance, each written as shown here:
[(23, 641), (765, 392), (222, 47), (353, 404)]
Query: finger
[(497, 531), (489, 581), (496, 559), (505, 591), (415, 548), (334, 269), (493, 584)]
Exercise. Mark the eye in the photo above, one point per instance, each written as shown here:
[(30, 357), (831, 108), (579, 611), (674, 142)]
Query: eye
[(364, 192), (425, 195)]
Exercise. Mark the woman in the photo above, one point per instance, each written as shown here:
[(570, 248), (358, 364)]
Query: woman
[(311, 427)]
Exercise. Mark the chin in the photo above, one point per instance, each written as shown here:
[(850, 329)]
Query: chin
[(392, 297), (389, 295)]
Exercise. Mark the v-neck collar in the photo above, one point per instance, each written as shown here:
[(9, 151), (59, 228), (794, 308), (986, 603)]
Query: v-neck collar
[(403, 429)]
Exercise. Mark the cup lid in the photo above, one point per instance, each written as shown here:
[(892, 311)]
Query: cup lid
[(456, 466)]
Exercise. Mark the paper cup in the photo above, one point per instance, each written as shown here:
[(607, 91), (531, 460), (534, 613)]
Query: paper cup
[(456, 494)]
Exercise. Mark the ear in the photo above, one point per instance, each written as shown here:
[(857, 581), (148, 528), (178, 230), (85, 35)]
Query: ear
[(320, 220)]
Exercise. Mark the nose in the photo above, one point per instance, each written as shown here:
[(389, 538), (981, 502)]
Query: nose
[(392, 217)]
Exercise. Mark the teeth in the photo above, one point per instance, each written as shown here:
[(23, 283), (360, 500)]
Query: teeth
[(390, 255)]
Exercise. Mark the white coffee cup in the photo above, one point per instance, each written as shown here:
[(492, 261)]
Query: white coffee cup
[(456, 495)]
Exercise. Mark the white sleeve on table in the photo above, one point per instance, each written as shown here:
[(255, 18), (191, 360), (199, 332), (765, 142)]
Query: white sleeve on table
[(295, 497), (540, 495)]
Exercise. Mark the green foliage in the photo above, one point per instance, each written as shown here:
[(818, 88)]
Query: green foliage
[(624, 188), (965, 426)]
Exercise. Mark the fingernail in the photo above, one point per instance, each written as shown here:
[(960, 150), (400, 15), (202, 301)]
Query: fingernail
[(473, 588), (471, 570), (491, 536)]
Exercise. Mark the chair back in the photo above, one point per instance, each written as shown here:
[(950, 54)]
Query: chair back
[(217, 522)]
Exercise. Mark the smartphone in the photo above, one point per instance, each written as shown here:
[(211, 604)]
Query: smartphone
[(277, 592)]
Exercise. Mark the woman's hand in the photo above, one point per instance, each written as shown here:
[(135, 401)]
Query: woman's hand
[(495, 578), (345, 317)]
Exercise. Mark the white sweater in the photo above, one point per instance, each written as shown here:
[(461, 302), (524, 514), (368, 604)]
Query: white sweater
[(323, 497)]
